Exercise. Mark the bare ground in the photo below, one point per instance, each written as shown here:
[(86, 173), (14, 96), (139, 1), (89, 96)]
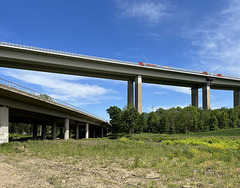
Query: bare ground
[(24, 171)]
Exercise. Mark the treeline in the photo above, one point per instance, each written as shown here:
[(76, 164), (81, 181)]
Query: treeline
[(173, 120)]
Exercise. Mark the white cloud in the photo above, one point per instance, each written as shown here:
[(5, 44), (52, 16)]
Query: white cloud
[(218, 41), (149, 11), (155, 108), (160, 93), (64, 87), (183, 90)]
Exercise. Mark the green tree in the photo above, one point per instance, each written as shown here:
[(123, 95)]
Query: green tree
[(203, 120), (115, 114), (130, 117), (233, 118), (47, 97), (142, 123), (164, 123), (153, 122), (188, 119), (213, 122)]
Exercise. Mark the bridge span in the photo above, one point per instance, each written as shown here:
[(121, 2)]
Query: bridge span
[(32, 58), (19, 104)]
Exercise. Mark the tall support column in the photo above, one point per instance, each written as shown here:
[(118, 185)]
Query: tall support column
[(66, 129), (206, 96), (138, 93), (4, 121), (102, 132), (54, 131), (87, 130), (34, 129), (236, 97), (77, 132), (194, 92), (44, 132), (130, 93)]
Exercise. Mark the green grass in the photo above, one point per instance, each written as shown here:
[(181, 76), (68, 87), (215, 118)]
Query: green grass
[(228, 132), (199, 160)]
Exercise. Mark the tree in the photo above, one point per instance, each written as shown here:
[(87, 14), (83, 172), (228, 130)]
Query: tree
[(233, 118), (213, 122), (130, 117), (203, 120), (115, 114), (164, 123), (153, 122), (142, 123), (46, 97)]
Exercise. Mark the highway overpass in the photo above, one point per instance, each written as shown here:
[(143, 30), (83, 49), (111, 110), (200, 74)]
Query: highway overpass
[(19, 104), (32, 58)]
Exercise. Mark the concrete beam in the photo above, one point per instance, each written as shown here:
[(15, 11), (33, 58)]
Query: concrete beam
[(138, 93), (130, 93), (4, 121), (194, 95), (44, 132), (34, 129), (54, 131), (86, 130), (66, 129), (236, 97), (77, 132), (206, 96)]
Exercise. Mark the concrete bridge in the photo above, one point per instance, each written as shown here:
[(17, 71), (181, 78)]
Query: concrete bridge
[(22, 105), (38, 59), (32, 58)]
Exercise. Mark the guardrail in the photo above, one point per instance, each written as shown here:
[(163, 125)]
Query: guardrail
[(44, 97), (108, 59)]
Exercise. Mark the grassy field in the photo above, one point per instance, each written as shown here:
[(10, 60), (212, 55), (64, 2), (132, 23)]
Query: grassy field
[(142, 160)]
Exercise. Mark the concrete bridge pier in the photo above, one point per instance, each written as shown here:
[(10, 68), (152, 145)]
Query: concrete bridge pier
[(194, 95), (66, 129), (87, 130), (77, 132), (44, 132), (206, 96), (35, 131), (54, 131), (138, 93), (130, 93), (4, 121), (236, 97)]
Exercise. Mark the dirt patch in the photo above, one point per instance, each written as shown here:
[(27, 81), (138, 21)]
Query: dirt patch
[(70, 172), (13, 176)]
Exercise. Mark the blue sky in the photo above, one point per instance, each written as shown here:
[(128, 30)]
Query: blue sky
[(197, 35)]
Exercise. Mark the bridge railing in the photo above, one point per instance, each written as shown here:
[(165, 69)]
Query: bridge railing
[(46, 98)]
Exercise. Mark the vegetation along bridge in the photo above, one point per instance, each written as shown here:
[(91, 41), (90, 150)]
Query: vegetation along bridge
[(32, 58)]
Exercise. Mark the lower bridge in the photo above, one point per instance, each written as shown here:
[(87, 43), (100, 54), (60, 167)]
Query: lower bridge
[(19, 104)]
